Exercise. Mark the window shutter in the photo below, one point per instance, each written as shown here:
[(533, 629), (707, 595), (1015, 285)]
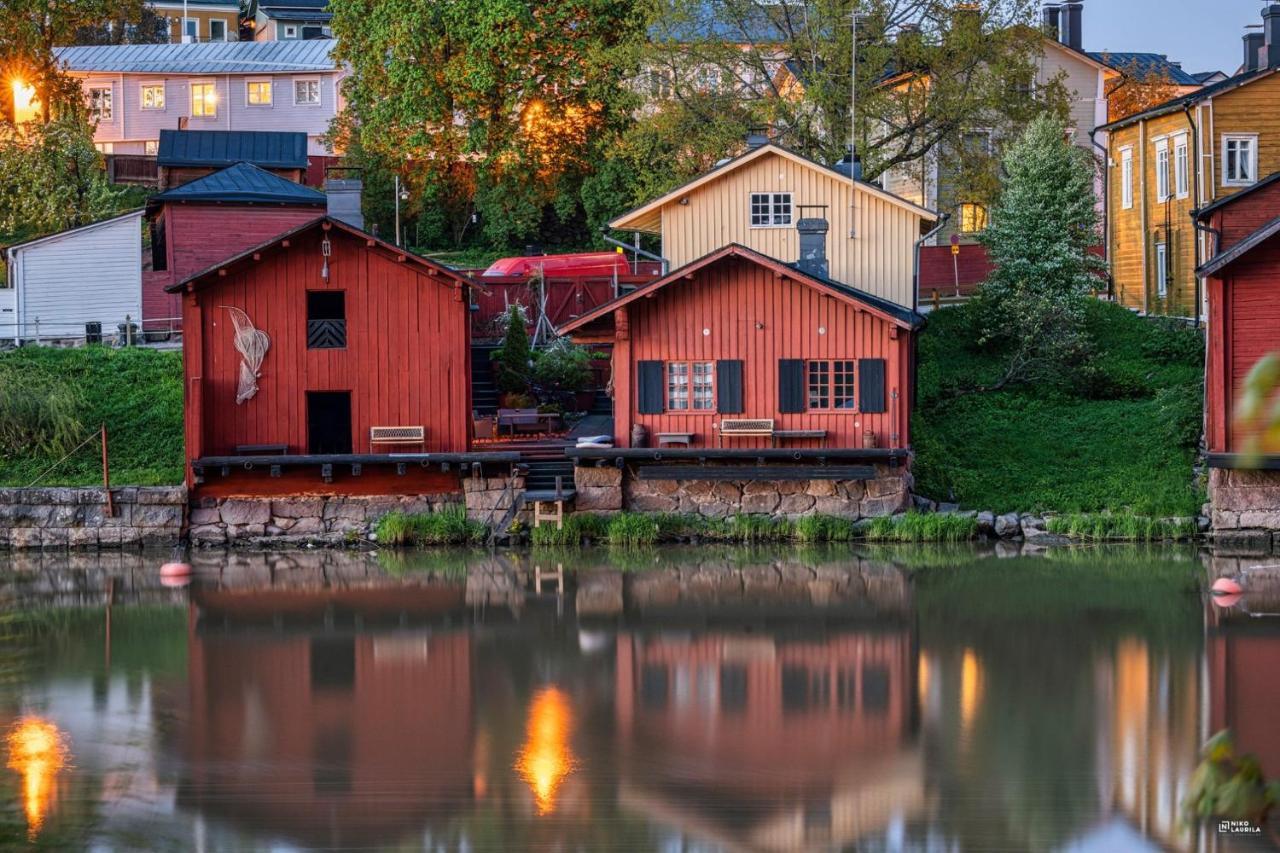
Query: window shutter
[(790, 385), (729, 387), (649, 396), (871, 385)]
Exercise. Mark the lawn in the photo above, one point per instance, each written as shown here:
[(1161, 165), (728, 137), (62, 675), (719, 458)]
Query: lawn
[(137, 393), (1120, 435)]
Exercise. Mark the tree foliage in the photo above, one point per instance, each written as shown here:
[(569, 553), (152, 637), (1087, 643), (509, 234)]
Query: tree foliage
[(513, 361), (146, 27), (1039, 241), (1137, 90)]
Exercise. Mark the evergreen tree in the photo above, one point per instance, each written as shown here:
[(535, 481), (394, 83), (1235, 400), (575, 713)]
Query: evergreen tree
[(1039, 240), (514, 359)]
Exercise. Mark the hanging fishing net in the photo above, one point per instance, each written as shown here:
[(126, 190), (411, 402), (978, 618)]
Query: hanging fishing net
[(252, 344)]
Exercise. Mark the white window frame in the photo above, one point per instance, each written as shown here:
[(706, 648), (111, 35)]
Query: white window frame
[(1163, 188), (225, 29), (192, 93), (1162, 270), (319, 101), (1181, 166), (1252, 139), (1126, 178), (193, 24), (150, 147), (142, 97), (99, 114), (772, 200), (105, 147), (291, 31), (271, 92)]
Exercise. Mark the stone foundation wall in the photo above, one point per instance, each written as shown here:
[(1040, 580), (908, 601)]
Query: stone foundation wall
[(60, 518), (489, 498), (608, 489), (1246, 506)]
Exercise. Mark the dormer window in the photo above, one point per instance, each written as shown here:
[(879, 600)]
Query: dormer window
[(770, 210)]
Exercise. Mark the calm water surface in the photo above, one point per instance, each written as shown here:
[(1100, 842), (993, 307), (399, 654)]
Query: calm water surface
[(677, 700)]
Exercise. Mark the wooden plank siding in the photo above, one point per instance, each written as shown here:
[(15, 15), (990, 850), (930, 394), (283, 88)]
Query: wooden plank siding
[(877, 258), (406, 361), (752, 315)]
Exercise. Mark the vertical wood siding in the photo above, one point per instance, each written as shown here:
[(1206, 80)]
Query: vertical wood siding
[(406, 361), (878, 259), (729, 299)]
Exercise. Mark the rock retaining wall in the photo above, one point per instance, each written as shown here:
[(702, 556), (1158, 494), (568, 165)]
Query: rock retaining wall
[(1246, 507), (78, 518)]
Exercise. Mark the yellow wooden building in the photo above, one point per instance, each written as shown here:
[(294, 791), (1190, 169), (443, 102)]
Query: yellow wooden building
[(206, 20), (1172, 159), (757, 199)]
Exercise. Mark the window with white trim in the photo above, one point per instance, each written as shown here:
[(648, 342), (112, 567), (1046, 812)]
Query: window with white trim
[(1126, 178), (204, 100), (257, 93), (150, 147), (306, 92), (1162, 170), (770, 209), (153, 96), (1239, 159), (1181, 167), (690, 386), (217, 30), (101, 103), (1162, 270), (291, 31)]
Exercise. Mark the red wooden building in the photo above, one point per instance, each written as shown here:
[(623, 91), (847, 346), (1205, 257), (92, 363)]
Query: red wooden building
[(364, 388), (738, 336), (206, 221)]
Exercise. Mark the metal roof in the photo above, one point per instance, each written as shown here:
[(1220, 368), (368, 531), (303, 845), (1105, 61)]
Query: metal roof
[(232, 57), (270, 149), (245, 183), (1145, 64)]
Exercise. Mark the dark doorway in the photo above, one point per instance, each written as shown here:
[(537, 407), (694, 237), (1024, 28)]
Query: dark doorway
[(328, 421)]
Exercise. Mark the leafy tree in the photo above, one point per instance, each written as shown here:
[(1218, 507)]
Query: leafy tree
[(492, 103), (1137, 89), (1039, 239), (148, 27)]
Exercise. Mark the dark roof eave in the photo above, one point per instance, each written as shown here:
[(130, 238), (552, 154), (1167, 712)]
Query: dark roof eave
[(1224, 259), (1214, 206)]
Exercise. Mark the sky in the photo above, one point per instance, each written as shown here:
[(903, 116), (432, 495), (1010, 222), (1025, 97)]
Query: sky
[(1201, 34)]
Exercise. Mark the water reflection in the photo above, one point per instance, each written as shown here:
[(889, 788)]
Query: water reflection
[(698, 700)]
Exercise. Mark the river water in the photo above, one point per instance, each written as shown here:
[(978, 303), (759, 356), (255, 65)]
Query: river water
[(677, 700)]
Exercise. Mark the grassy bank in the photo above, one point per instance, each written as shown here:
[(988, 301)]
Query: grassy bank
[(137, 393), (449, 526), (1119, 436)]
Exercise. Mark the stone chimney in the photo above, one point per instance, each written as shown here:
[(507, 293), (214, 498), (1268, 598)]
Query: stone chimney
[(1271, 36), (344, 195), (1253, 45), (1050, 17), (813, 246), (1070, 21), (756, 138)]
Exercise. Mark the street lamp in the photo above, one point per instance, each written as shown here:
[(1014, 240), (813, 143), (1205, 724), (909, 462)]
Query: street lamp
[(402, 194)]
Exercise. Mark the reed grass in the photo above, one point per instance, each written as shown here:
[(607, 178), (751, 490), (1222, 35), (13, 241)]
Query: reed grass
[(921, 527), (449, 526), (1121, 527)]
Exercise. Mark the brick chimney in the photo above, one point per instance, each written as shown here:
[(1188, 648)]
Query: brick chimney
[(1070, 21), (1253, 45), (1271, 36), (1051, 15), (813, 246), (344, 196)]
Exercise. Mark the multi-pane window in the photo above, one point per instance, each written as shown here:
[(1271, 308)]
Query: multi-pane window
[(690, 386), (306, 92), (973, 218), (1162, 170), (770, 209), (153, 96), (831, 385), (258, 93), (1126, 178), (1239, 159), (204, 100), (101, 103), (217, 30), (1181, 168)]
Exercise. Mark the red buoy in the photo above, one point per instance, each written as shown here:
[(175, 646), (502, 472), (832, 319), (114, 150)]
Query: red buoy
[(175, 570), (1226, 586)]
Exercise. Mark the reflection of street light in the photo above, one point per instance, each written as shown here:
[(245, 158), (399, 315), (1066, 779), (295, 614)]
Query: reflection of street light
[(402, 194)]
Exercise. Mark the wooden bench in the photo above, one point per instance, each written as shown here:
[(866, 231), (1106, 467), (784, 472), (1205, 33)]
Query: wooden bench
[(786, 434), (396, 435), (525, 420), (745, 428), (674, 438), (262, 449)]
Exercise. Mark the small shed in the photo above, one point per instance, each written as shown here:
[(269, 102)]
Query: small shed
[(64, 285), (185, 155)]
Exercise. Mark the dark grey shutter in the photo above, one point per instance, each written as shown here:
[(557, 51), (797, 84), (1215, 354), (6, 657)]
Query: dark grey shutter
[(649, 397), (729, 387), (790, 385), (871, 385)]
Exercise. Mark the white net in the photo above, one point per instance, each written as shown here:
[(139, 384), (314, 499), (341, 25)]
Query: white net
[(252, 344)]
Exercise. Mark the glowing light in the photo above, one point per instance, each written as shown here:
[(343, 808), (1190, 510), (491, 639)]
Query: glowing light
[(547, 758), (36, 751), (922, 679), (970, 687), (25, 106)]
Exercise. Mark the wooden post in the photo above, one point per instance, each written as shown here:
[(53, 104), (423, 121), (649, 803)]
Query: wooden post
[(106, 474)]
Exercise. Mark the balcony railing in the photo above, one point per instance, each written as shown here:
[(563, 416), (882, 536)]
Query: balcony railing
[(326, 334)]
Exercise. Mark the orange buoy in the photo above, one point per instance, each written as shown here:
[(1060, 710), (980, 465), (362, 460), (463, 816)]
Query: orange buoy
[(1226, 586)]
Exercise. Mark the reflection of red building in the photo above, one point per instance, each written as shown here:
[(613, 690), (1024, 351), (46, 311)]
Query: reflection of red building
[(751, 741), (327, 738), (1244, 691)]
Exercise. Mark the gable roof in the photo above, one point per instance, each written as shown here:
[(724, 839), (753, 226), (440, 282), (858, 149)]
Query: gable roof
[(1224, 259), (644, 213), (79, 229), (215, 57), (886, 310), (440, 272), (1176, 104), (270, 149), (1145, 64), (246, 183)]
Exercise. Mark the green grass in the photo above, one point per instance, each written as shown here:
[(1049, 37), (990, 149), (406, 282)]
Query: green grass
[(577, 528), (1119, 436), (137, 393), (916, 527), (1121, 526), (449, 526)]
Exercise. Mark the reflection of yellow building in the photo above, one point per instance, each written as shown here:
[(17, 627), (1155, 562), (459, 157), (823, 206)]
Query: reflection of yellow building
[(37, 753), (547, 758)]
